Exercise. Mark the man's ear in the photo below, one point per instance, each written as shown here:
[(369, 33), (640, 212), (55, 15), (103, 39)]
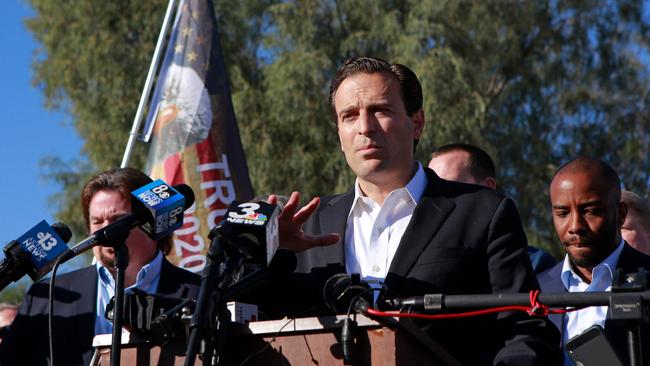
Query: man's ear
[(622, 213), (490, 183), (418, 124)]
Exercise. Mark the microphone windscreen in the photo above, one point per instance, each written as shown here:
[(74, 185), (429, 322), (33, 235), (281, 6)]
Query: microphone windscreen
[(187, 192), (284, 262), (341, 290), (62, 230)]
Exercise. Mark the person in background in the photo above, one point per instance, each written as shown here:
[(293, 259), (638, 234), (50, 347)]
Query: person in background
[(587, 215), (81, 296), (636, 227), (464, 163), (470, 164)]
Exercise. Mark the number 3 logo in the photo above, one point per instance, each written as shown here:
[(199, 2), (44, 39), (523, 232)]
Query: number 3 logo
[(246, 210)]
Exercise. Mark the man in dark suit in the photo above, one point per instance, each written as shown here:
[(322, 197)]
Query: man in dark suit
[(587, 214), (405, 227), (80, 297)]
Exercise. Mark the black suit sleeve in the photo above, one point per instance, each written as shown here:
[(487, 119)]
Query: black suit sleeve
[(527, 340)]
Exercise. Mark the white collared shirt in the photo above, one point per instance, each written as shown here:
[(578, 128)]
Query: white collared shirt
[(147, 280), (373, 232), (576, 322)]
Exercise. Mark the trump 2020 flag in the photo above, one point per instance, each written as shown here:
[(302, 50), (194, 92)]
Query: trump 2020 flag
[(194, 134)]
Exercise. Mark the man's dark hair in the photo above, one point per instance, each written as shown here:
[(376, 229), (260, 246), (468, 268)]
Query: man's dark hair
[(123, 181), (597, 167), (410, 88), (480, 163)]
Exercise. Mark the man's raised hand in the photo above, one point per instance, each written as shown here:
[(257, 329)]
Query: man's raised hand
[(291, 221)]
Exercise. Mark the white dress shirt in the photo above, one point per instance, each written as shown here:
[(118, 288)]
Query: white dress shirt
[(373, 232), (576, 322)]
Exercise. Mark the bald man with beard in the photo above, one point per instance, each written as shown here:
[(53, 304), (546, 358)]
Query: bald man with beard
[(587, 214)]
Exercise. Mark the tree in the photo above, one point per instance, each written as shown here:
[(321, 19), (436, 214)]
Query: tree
[(533, 83)]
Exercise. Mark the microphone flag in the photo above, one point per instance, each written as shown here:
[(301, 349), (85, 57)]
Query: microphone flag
[(42, 243)]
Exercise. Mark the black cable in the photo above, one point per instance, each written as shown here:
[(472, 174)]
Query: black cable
[(50, 311), (349, 328)]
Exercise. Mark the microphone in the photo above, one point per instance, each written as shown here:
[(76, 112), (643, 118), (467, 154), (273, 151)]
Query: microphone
[(342, 294), (252, 228), (342, 290), (284, 262), (34, 252), (156, 208), (163, 206)]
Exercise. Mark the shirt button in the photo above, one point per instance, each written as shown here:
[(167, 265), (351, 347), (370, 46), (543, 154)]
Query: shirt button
[(376, 268)]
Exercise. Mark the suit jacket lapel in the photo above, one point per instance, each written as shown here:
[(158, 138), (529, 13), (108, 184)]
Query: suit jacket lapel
[(88, 290), (552, 283), (333, 219), (87, 303), (428, 216)]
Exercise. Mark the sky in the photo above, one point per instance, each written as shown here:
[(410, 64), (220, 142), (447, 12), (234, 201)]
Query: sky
[(30, 131)]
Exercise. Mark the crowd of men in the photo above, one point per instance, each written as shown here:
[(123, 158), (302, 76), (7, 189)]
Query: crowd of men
[(444, 228)]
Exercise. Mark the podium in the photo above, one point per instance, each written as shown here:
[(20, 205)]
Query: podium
[(301, 341)]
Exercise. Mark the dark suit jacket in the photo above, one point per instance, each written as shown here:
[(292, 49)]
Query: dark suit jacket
[(630, 261), (462, 239), (75, 300)]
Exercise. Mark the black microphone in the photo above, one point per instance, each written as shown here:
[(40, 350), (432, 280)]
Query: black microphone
[(252, 228), (284, 262), (248, 233), (158, 217), (344, 294), (34, 253), (342, 290)]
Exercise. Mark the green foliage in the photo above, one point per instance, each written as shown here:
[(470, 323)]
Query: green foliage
[(13, 294), (533, 83), (92, 64)]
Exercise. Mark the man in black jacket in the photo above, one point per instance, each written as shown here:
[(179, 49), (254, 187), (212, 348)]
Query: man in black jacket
[(587, 215), (80, 297), (405, 227)]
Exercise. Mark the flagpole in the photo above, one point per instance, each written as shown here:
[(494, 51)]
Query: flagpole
[(146, 91)]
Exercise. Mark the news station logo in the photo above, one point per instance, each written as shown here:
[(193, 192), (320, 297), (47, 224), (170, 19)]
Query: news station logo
[(247, 214), (165, 205), (42, 243), (157, 194)]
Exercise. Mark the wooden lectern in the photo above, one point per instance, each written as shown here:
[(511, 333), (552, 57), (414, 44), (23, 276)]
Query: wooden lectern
[(302, 341)]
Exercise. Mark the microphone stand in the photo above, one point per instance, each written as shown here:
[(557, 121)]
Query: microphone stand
[(627, 303), (214, 349), (198, 325), (115, 235), (121, 262), (208, 296), (205, 325)]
